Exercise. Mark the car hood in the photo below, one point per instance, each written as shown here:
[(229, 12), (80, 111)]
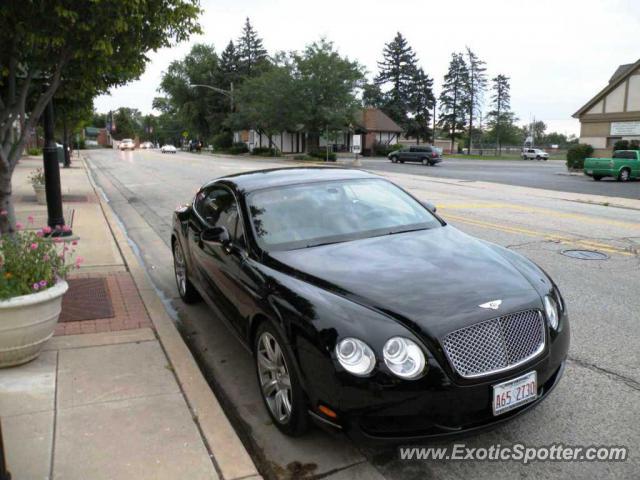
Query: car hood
[(433, 281)]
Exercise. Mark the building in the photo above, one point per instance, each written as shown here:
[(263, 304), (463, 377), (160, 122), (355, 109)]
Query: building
[(371, 123), (613, 113)]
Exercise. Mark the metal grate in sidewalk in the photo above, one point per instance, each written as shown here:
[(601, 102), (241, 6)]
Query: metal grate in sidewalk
[(87, 299)]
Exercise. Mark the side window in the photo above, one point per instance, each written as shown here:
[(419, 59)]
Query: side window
[(412, 149), (218, 207)]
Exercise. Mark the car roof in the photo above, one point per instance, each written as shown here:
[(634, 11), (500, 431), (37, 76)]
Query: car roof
[(277, 177)]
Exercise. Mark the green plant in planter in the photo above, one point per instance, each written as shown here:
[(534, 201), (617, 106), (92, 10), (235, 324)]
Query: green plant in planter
[(30, 261), (37, 177)]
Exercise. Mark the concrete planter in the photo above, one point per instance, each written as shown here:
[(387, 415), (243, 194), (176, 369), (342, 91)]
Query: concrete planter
[(41, 196), (27, 322)]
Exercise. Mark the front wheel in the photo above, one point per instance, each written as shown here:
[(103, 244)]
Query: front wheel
[(278, 381), (394, 159), (186, 290), (625, 175), (597, 178)]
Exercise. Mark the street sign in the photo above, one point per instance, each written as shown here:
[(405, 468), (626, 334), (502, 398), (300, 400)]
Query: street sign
[(356, 144)]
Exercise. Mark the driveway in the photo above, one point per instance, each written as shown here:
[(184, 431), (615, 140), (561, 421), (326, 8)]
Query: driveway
[(596, 403)]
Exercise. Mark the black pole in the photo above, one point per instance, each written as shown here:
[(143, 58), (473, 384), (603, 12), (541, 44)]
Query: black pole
[(65, 141), (4, 473), (52, 175)]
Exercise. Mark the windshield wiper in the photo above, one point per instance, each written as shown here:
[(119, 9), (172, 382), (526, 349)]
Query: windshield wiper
[(394, 232)]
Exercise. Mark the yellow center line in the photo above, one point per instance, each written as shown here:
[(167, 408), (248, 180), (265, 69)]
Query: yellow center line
[(546, 236)]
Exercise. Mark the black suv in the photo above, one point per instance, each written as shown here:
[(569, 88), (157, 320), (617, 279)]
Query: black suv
[(424, 154)]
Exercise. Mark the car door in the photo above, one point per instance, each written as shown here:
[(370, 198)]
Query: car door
[(230, 281)]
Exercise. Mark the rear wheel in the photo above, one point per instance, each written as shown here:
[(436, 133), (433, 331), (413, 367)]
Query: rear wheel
[(625, 175), (278, 381), (425, 162), (187, 291)]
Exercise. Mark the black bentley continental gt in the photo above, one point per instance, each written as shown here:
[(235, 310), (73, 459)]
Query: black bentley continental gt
[(364, 310)]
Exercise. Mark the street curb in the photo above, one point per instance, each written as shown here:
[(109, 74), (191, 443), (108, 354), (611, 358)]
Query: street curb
[(229, 455)]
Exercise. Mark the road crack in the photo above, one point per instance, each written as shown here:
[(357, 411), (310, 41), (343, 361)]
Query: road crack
[(616, 376)]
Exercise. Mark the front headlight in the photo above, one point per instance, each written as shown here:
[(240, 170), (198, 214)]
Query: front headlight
[(551, 309), (355, 356), (404, 357)]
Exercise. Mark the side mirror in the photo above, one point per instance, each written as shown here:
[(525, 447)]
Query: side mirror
[(216, 235), (429, 206)]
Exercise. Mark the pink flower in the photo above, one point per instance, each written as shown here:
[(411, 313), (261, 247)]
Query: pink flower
[(40, 233), (42, 283), (34, 246), (57, 240), (79, 260), (66, 228), (46, 258), (19, 226), (30, 219), (74, 243), (65, 248), (4, 213), (36, 286), (47, 230)]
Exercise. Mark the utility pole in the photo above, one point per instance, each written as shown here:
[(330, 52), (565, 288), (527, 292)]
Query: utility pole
[(52, 175)]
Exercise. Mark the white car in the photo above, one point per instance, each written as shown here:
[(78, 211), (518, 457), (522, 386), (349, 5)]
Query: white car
[(127, 144), (168, 149), (534, 154), (146, 145)]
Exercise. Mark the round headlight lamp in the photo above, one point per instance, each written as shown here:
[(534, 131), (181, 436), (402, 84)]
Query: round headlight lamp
[(404, 357), (355, 356), (551, 309)]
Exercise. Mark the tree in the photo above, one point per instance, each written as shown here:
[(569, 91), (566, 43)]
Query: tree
[(230, 65), (397, 70), (421, 103), (88, 43), (453, 98), (372, 96), (252, 56), (128, 123), (201, 110), (476, 85), (327, 86), (501, 114), (538, 129)]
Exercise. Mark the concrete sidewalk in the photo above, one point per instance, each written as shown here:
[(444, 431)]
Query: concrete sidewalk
[(116, 393)]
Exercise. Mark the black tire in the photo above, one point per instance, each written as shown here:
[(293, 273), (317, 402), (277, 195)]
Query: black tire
[(401, 161), (186, 290), (425, 162), (597, 178), (538, 157), (625, 175), (297, 421), (394, 159)]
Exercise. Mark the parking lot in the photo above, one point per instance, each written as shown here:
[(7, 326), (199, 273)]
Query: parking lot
[(596, 403)]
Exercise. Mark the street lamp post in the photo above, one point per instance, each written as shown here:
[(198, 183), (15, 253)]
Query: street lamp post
[(226, 93), (52, 175)]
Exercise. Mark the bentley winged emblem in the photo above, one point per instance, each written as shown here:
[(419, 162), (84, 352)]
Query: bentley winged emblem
[(493, 304)]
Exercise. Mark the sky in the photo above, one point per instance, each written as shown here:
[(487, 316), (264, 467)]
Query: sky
[(557, 53)]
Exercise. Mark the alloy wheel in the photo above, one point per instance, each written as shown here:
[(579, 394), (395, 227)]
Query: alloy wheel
[(275, 381), (180, 269)]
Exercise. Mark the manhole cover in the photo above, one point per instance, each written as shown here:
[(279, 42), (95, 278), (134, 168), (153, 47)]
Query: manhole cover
[(585, 254), (87, 299)]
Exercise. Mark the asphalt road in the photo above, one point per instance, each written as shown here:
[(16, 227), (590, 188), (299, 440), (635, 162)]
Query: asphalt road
[(550, 175), (596, 403)]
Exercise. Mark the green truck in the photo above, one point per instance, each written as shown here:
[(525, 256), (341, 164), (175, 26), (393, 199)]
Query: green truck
[(623, 166)]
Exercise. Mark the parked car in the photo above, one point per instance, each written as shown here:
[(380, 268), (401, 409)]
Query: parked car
[(364, 310), (168, 149), (195, 146), (424, 154), (127, 144), (534, 154), (623, 166), (146, 145)]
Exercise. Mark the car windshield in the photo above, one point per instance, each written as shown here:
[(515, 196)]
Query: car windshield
[(313, 214)]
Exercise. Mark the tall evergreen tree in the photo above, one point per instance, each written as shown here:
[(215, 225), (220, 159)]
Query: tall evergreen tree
[(453, 98), (230, 65), (397, 69), (251, 53), (476, 85), (421, 102), (372, 96), (501, 114)]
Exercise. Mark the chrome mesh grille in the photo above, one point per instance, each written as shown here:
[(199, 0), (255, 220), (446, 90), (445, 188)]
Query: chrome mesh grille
[(496, 344)]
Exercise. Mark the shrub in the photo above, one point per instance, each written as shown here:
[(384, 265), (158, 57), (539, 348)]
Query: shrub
[(322, 155), (576, 155), (34, 151), (30, 262), (383, 149), (634, 145), (621, 145), (238, 149), (266, 151), (222, 140)]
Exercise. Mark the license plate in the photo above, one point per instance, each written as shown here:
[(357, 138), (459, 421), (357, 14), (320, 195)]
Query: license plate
[(514, 393), (589, 172)]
